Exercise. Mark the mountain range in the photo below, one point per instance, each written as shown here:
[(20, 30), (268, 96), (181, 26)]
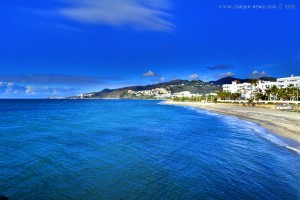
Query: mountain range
[(174, 86)]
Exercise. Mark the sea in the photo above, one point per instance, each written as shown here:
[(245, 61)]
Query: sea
[(139, 149)]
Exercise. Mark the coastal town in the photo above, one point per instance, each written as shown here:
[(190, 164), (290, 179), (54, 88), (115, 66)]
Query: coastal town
[(280, 89), (269, 89), (259, 101)]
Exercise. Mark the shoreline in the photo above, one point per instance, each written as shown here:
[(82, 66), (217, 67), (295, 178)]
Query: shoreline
[(280, 123)]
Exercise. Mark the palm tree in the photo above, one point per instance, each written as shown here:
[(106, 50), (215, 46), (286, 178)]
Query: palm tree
[(260, 95), (290, 92), (253, 82), (268, 92), (274, 91), (282, 93)]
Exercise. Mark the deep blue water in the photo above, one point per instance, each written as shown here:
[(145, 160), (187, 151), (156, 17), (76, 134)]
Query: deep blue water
[(118, 149)]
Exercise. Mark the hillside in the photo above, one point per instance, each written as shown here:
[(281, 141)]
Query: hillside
[(164, 90), (228, 80), (149, 91)]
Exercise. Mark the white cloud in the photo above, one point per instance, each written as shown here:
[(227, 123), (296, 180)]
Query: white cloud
[(194, 76), (12, 90), (138, 14), (224, 75), (149, 73), (7, 88), (30, 89), (256, 74), (229, 74), (162, 79), (47, 90)]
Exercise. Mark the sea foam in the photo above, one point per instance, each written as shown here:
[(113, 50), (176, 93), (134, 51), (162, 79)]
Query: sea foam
[(257, 129)]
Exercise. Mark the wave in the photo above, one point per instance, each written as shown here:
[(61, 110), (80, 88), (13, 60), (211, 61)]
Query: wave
[(259, 130), (275, 139), (266, 134), (202, 111)]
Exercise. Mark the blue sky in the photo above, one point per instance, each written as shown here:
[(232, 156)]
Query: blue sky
[(67, 47)]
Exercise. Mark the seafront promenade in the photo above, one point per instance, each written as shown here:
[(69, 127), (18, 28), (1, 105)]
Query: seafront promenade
[(283, 123)]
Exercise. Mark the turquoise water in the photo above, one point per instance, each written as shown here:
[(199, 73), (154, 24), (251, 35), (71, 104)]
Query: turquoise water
[(118, 149)]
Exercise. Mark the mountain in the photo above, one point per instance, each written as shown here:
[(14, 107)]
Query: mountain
[(160, 90), (272, 79), (228, 80), (164, 90)]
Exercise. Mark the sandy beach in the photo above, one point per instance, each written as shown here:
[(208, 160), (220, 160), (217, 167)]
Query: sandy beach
[(283, 123)]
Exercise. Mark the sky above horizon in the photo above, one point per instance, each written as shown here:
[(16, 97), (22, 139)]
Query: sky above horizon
[(68, 47)]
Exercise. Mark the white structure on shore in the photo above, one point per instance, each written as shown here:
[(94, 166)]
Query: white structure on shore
[(236, 87), (157, 93), (247, 89), (293, 81), (183, 94)]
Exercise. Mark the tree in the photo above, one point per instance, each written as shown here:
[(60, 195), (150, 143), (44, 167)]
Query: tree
[(291, 92), (235, 96), (253, 82), (274, 91), (268, 92), (283, 94), (261, 96)]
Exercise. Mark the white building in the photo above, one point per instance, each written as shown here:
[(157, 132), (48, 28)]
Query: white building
[(243, 88), (183, 94), (247, 90), (263, 85), (157, 93), (293, 81)]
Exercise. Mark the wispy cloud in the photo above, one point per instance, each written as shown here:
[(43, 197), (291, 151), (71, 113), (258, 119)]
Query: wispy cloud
[(256, 74), (138, 14), (162, 79), (149, 73), (194, 76), (49, 90), (10, 89), (224, 75), (156, 78), (57, 79), (221, 66)]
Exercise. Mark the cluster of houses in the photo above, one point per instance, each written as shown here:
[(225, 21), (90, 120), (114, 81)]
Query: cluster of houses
[(157, 93), (163, 93), (246, 89)]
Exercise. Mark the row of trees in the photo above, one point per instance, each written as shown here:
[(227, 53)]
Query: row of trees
[(274, 93), (228, 95), (196, 98)]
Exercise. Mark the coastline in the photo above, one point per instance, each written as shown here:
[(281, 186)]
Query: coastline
[(278, 122)]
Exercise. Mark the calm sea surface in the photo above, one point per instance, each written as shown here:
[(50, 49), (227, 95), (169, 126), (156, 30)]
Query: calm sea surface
[(123, 149)]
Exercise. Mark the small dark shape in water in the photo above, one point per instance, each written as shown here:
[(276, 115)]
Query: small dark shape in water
[(3, 198)]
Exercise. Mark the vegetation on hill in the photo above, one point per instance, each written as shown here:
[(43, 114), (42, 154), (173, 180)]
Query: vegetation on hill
[(175, 86)]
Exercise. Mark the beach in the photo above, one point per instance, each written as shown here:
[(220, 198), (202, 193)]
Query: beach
[(282, 123)]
